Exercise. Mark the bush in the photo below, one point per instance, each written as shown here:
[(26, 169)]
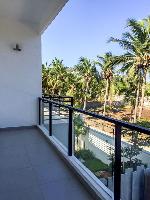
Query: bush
[(90, 161), (84, 154), (96, 165), (145, 123)]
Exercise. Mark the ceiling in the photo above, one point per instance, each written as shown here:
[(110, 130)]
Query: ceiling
[(38, 14)]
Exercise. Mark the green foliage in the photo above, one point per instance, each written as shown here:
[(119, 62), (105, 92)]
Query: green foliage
[(147, 91), (54, 78), (89, 77), (107, 65), (84, 154), (90, 161), (96, 165), (120, 84), (79, 126), (137, 141), (144, 123), (136, 59)]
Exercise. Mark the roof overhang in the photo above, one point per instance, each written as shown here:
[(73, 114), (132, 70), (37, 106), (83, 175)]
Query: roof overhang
[(37, 14)]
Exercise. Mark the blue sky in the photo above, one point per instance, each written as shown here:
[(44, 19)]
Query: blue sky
[(83, 27)]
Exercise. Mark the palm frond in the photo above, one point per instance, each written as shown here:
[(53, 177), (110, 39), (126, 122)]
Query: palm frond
[(125, 44)]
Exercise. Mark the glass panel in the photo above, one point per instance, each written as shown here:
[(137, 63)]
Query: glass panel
[(60, 124), (94, 146), (135, 159), (45, 115)]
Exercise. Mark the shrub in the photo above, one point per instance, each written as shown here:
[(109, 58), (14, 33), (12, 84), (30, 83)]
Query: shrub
[(96, 165), (84, 154)]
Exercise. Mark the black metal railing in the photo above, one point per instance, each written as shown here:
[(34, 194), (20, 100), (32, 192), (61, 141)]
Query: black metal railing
[(118, 124), (61, 99), (67, 100)]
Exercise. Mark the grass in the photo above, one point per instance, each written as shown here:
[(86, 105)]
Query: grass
[(144, 123), (95, 165), (90, 161)]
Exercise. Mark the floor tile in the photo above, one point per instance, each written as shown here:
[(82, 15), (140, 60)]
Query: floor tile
[(21, 178), (32, 193), (52, 172), (65, 190), (13, 158), (30, 169)]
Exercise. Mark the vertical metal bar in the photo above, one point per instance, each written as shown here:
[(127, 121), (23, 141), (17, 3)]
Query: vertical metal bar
[(59, 101), (70, 133), (50, 97), (50, 119), (39, 111), (72, 101), (117, 164), (42, 108)]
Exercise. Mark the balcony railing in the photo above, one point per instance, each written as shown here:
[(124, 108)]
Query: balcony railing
[(119, 126)]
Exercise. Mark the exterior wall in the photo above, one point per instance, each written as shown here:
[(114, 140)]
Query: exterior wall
[(20, 74)]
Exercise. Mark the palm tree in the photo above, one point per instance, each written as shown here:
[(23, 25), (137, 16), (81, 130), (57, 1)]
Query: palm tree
[(136, 43), (107, 66), (55, 78), (45, 78), (75, 88), (80, 127), (87, 73)]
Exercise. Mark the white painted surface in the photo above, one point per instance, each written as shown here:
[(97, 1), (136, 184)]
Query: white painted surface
[(37, 14), (20, 74)]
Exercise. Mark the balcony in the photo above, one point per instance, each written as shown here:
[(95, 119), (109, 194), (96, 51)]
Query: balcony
[(41, 162)]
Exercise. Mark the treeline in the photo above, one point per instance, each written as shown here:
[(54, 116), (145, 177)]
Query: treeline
[(109, 76)]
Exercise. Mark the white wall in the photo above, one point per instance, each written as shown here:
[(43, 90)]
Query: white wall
[(20, 75)]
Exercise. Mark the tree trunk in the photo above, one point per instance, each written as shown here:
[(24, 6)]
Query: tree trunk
[(106, 96), (136, 102), (142, 97), (131, 116), (85, 97), (85, 102), (110, 95)]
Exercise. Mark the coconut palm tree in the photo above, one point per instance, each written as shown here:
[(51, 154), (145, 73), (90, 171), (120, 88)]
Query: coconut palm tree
[(136, 43), (45, 78), (107, 65), (87, 72), (74, 87), (59, 75)]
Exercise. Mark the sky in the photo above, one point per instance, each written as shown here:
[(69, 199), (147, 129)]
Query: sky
[(83, 28)]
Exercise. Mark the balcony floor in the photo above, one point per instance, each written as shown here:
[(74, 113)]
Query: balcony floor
[(30, 169)]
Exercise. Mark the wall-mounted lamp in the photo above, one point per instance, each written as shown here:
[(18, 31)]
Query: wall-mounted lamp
[(17, 48)]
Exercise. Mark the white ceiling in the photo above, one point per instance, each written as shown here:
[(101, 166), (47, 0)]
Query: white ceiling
[(36, 13)]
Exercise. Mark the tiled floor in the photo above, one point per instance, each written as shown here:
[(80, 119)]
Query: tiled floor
[(30, 169)]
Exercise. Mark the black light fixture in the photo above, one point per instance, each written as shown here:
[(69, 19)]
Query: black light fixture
[(17, 48)]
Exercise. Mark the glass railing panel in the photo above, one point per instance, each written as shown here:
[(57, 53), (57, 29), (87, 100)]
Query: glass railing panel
[(94, 146), (60, 124), (135, 159), (45, 114)]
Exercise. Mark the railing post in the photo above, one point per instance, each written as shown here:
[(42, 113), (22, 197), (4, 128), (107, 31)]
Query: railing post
[(50, 119), (42, 111), (70, 133), (39, 110), (72, 101), (117, 164)]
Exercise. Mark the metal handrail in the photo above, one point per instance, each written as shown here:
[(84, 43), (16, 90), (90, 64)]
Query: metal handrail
[(102, 117), (118, 126), (59, 98)]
